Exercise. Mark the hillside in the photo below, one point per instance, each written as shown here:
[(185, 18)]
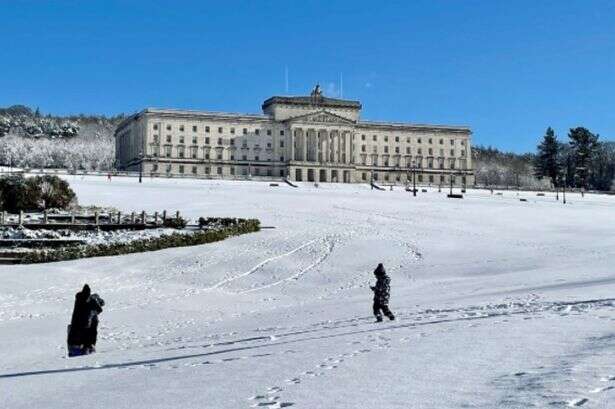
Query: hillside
[(31, 140)]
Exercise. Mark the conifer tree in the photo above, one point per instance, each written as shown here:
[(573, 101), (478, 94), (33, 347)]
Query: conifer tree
[(546, 163), (583, 144)]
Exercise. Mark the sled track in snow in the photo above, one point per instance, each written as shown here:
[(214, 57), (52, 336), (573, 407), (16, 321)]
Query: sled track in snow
[(329, 245), (326, 242)]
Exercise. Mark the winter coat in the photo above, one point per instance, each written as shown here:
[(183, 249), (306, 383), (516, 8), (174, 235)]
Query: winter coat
[(382, 289)]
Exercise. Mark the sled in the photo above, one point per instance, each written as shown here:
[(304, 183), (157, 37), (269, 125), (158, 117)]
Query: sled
[(74, 350)]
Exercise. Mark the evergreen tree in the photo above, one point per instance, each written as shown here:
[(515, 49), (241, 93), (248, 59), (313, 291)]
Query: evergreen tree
[(546, 163), (583, 144)]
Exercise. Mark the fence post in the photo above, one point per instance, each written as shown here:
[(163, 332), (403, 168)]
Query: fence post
[(20, 217), (132, 218), (45, 216), (96, 218), (156, 218), (72, 217), (2, 218), (119, 217), (164, 216), (177, 215), (143, 217)]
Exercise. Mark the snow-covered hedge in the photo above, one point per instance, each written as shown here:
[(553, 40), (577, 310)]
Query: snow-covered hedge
[(217, 229)]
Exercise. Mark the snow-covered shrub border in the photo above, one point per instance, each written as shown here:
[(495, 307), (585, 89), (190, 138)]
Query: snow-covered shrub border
[(217, 229)]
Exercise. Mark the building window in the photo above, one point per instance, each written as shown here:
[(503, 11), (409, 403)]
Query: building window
[(363, 148), (452, 142), (430, 141), (194, 170), (181, 128), (168, 127), (268, 144), (257, 131), (181, 139), (386, 176), (430, 178), (452, 152), (207, 140), (245, 131), (419, 140), (232, 170), (207, 156), (420, 177), (268, 132), (194, 128), (180, 152), (397, 139), (220, 129), (441, 141), (232, 157), (219, 156), (386, 139), (375, 138), (155, 167), (167, 151), (362, 137), (156, 139), (206, 129), (257, 171), (181, 168), (408, 150), (282, 134), (386, 149), (219, 141), (169, 168), (281, 144), (244, 157), (281, 158), (364, 176), (207, 170), (430, 152), (419, 151), (194, 140), (281, 172), (155, 127), (397, 149), (168, 138), (219, 170), (256, 158), (408, 140), (233, 131)]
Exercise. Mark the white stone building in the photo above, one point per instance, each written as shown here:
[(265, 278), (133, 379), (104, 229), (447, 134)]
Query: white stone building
[(306, 138)]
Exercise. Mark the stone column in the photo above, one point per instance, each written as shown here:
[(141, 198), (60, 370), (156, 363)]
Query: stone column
[(304, 140), (291, 141)]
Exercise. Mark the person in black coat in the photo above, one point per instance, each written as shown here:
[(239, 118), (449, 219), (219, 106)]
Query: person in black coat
[(382, 292), (80, 318), (84, 322)]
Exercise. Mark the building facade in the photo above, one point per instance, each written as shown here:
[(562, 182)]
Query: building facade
[(307, 138)]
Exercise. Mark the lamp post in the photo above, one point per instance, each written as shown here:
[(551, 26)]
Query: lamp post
[(412, 171), (564, 186), (141, 167), (451, 180)]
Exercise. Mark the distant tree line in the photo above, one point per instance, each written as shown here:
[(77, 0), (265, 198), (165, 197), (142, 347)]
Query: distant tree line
[(582, 162)]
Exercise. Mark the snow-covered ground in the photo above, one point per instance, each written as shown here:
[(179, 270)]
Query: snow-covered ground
[(500, 303)]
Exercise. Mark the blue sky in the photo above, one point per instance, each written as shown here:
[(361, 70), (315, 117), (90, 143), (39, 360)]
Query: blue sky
[(508, 69)]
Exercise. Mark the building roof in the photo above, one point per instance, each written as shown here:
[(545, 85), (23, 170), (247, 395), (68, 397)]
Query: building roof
[(314, 100)]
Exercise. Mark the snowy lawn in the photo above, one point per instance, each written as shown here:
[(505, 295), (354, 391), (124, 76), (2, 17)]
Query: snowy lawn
[(500, 303)]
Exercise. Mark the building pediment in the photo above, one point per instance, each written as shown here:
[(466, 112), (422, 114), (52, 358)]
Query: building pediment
[(321, 117)]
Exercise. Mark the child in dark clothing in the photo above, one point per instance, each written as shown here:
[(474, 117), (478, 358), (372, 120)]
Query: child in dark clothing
[(382, 291)]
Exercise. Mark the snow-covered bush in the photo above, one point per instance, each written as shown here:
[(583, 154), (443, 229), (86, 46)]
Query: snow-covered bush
[(18, 193)]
